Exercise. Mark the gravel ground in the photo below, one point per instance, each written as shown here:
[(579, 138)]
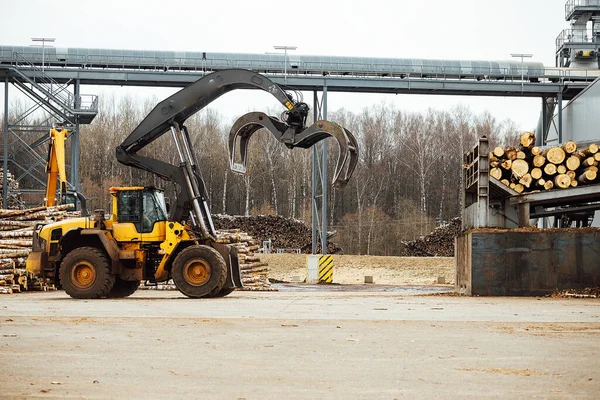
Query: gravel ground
[(299, 345), (349, 269)]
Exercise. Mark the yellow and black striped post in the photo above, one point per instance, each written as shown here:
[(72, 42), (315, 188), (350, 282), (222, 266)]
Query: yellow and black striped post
[(326, 269)]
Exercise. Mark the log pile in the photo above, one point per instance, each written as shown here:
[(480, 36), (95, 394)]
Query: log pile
[(16, 231), (285, 233), (254, 272), (14, 197), (530, 168), (439, 243)]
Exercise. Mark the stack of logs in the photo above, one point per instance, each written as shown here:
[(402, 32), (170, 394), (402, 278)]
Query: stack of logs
[(439, 243), (528, 167), (254, 272), (14, 197), (285, 233), (16, 231)]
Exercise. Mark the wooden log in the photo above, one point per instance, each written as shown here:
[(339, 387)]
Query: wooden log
[(11, 213), (574, 161), (527, 140), (555, 155), (536, 173), (526, 180), (496, 173), (519, 188), (550, 169), (591, 150), (536, 151), (569, 147), (494, 164), (597, 157), (498, 152), (14, 253), (548, 185), (21, 224), (510, 153), (521, 155), (15, 234), (505, 182), (572, 174), (587, 176), (540, 182), (6, 290), (506, 164), (594, 168), (590, 162), (562, 181), (512, 185), (519, 168), (539, 161), (574, 182), (15, 242), (561, 169)]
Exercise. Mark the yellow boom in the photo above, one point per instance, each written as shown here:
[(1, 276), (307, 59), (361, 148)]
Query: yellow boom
[(55, 166)]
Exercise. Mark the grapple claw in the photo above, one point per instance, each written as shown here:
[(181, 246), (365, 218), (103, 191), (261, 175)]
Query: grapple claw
[(292, 137)]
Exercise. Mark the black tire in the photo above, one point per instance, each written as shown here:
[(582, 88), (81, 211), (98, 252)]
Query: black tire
[(220, 293), (199, 270), (85, 273), (123, 288)]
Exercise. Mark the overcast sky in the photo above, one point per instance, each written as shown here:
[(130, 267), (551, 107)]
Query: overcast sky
[(438, 29)]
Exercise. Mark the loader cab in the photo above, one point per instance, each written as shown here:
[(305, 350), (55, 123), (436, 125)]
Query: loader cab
[(142, 207)]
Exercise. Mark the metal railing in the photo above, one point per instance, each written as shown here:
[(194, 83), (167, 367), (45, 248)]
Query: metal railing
[(574, 36), (572, 4), (52, 89), (340, 68), (47, 85)]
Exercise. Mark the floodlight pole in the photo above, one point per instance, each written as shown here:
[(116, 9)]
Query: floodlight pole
[(522, 56), (43, 40), (285, 50)]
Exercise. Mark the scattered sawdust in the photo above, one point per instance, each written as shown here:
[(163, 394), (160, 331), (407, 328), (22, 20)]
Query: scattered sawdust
[(592, 293)]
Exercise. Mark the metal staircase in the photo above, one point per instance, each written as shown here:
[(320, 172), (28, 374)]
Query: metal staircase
[(53, 96), (28, 132)]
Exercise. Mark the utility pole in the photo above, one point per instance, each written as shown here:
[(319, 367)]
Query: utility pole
[(285, 50), (523, 56)]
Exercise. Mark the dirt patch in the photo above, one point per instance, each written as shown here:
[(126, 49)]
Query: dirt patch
[(349, 269)]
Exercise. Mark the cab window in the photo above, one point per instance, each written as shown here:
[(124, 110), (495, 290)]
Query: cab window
[(142, 208)]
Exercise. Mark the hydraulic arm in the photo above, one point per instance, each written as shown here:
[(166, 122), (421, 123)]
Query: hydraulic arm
[(171, 114), (57, 175)]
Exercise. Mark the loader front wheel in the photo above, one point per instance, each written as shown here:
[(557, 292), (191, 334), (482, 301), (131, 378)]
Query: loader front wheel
[(198, 271), (85, 273), (123, 288), (220, 293)]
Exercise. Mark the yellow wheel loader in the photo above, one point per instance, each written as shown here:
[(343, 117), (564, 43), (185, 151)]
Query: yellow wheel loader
[(95, 256)]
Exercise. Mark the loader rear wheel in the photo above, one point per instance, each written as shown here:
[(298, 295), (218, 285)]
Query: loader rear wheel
[(123, 288), (198, 271), (85, 273)]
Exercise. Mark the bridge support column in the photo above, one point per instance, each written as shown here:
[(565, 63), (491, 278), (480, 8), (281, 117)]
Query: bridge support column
[(5, 155), (560, 117), (319, 180), (75, 141), (324, 181)]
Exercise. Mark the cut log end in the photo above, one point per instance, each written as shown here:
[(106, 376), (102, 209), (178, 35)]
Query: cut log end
[(569, 147), (556, 155), (519, 168), (562, 181), (527, 140)]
